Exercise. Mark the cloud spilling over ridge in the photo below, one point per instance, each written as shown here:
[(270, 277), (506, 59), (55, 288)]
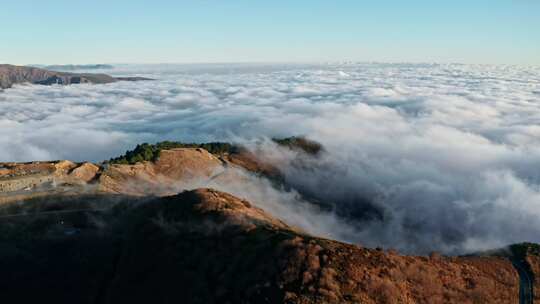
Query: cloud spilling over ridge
[(447, 155)]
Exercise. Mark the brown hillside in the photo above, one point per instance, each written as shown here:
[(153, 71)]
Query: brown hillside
[(206, 246), (164, 176)]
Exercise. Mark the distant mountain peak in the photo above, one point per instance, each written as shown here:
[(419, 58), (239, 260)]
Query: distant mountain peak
[(12, 74)]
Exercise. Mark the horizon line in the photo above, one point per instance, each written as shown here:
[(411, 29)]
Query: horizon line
[(322, 62)]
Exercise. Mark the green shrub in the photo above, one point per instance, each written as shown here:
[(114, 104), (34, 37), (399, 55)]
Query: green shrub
[(299, 142), (148, 152), (523, 249)]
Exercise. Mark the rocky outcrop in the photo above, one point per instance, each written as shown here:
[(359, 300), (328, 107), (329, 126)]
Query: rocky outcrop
[(20, 181), (26, 183), (11, 75), (172, 171), (85, 172), (30, 176)]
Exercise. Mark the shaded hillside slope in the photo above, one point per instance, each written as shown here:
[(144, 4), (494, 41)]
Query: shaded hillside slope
[(206, 246), (96, 233)]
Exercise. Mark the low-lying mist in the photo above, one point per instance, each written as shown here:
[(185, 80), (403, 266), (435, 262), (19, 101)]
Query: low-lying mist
[(417, 157)]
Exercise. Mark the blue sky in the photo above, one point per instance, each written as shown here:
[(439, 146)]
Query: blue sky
[(474, 31)]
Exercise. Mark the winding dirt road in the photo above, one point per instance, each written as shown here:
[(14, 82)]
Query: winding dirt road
[(525, 281)]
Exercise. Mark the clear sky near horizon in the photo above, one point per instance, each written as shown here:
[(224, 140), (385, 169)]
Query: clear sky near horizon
[(134, 31)]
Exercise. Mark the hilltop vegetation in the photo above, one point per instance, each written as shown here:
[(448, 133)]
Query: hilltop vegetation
[(524, 249), (150, 152), (300, 142)]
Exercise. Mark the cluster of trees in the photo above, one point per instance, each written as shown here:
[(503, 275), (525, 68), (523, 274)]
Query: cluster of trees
[(302, 143), (524, 249), (149, 152)]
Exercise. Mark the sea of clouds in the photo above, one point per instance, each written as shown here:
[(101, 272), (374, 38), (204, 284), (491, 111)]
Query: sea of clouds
[(446, 157)]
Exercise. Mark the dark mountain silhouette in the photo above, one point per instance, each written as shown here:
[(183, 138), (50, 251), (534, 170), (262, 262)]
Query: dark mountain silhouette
[(11, 75)]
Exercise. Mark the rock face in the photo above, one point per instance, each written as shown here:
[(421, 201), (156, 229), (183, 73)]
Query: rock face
[(19, 181), (10, 75), (85, 172), (29, 176), (206, 246)]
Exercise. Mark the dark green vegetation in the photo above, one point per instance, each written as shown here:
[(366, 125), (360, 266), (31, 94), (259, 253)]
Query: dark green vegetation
[(522, 249), (299, 142), (150, 152)]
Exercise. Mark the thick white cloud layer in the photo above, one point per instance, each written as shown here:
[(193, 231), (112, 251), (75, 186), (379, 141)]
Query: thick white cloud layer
[(448, 155)]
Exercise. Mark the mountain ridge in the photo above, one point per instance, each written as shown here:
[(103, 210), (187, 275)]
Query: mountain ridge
[(207, 246), (127, 232), (11, 75)]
